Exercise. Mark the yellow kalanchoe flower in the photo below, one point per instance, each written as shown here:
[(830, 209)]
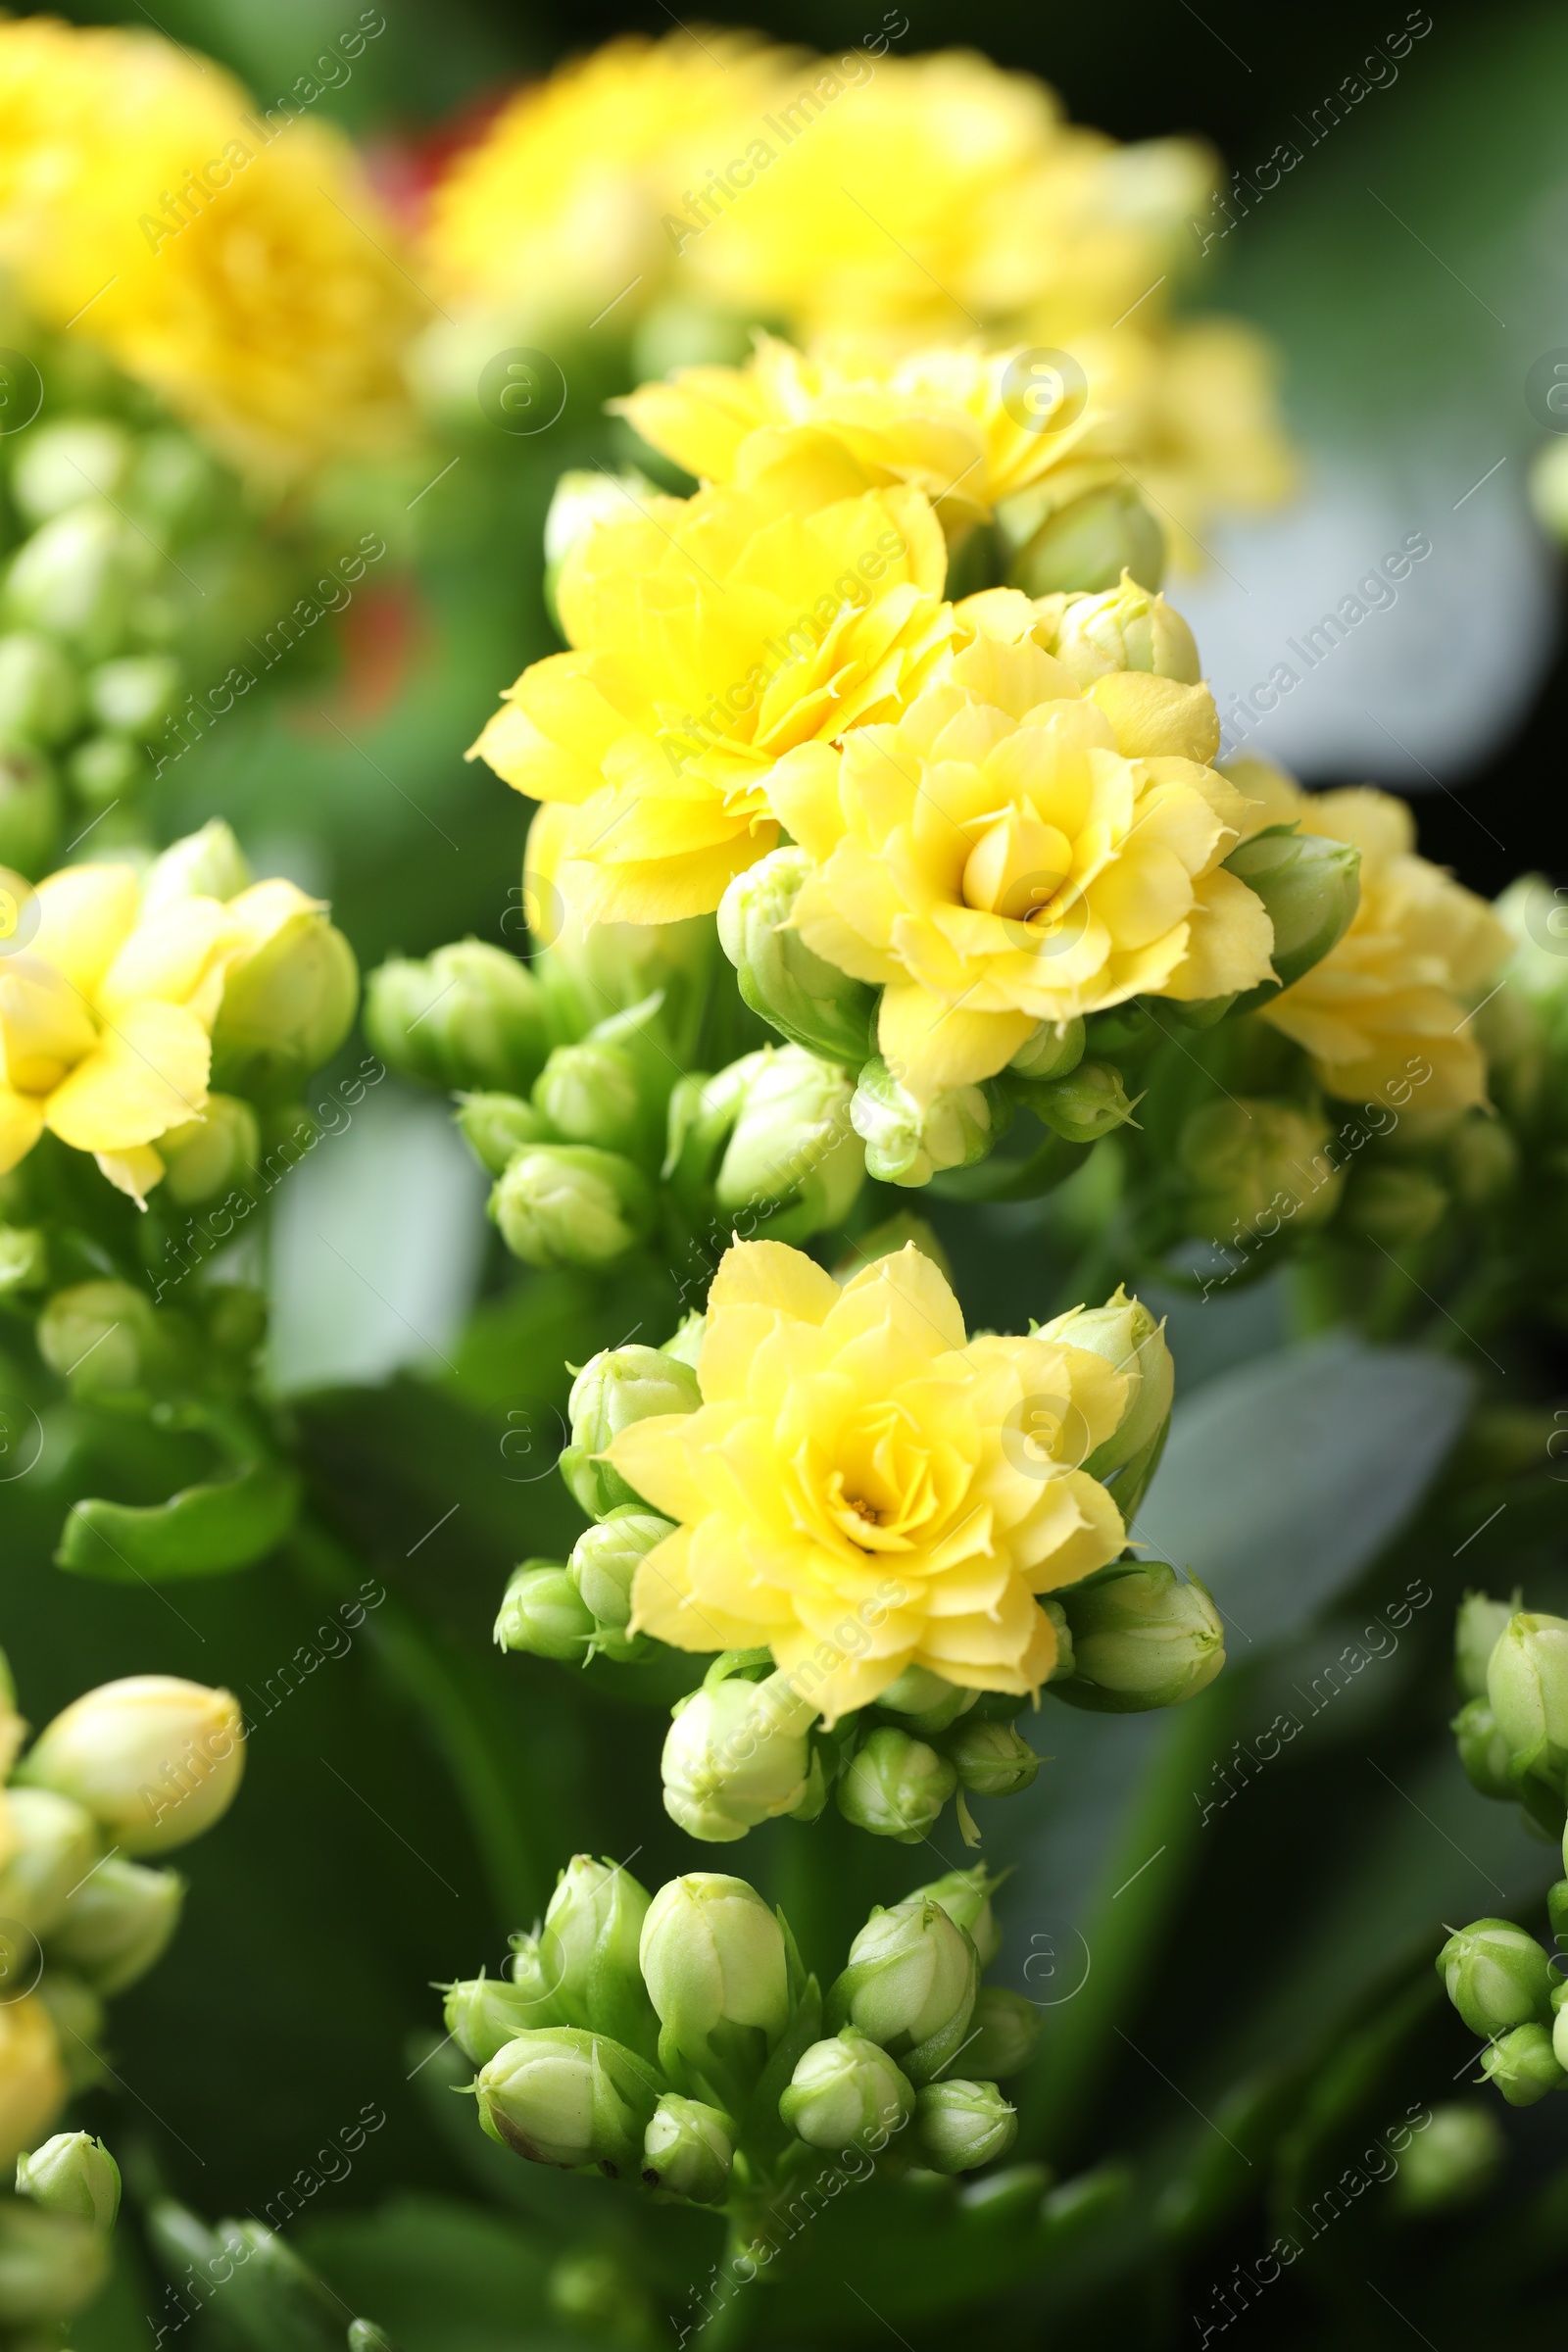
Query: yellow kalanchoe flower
[(1396, 992), (1017, 849), (32, 2078), (864, 1489), (711, 636)]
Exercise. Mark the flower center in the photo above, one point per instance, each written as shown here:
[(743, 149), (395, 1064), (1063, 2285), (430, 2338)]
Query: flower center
[(1017, 867)]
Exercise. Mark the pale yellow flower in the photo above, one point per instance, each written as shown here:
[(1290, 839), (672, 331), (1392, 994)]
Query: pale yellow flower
[(33, 2078), (1393, 996), (1015, 849), (240, 267), (864, 1489), (711, 636)]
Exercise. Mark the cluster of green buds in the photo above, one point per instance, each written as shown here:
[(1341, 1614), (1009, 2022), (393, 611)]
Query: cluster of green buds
[(678, 2041), (1503, 1985), (125, 1774)]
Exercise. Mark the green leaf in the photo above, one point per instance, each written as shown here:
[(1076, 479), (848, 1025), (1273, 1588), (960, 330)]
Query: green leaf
[(202, 1531)]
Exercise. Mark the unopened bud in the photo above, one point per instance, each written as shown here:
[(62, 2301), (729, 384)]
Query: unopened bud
[(469, 1017), (907, 1142), (1495, 1976), (688, 2150), (1005, 2026), (23, 1259), (895, 1787), (571, 1204), (117, 1924), (496, 1127), (1092, 544), (134, 695), (1141, 1638), (686, 1345), (847, 2092), (1248, 1159), (1478, 1626), (1453, 2162), (1310, 887), (1393, 1206), (1125, 627), (1054, 1050), (604, 1564), (960, 2126), (715, 1962), (1527, 1690), (925, 1702), (592, 1094), (1133, 1342), (56, 1844), (809, 1001), (614, 1389), (589, 1949), (208, 864), (289, 994), (791, 1145), (739, 1753), (991, 1760), (107, 1340), (910, 1985), (1522, 2066), (51, 2264), (153, 1759), (965, 1896), (210, 1154), (75, 578), (73, 2174), (1089, 1102), (482, 2014), (568, 2097), (40, 698), (61, 465), (1484, 1752), (542, 1612)]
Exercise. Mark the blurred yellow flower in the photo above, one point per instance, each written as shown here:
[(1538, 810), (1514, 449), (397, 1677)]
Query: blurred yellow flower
[(864, 1489), (32, 2080), (1017, 849), (1395, 991), (238, 265), (711, 636)]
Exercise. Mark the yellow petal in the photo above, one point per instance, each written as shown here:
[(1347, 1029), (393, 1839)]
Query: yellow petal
[(87, 913), (1152, 715), (20, 1125), (771, 1274), (930, 1044), (148, 1073), (136, 1171)]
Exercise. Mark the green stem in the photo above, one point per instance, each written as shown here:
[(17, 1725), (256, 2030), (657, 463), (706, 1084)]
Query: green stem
[(459, 1708), (1143, 1883)]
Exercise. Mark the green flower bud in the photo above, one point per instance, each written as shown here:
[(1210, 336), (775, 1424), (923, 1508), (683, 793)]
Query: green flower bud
[(117, 1923), (107, 1340), (715, 1961), (365, 2336), (591, 1094), (738, 1753), (23, 1259), (542, 1612), (1455, 2162), (209, 864), (686, 1346), (1521, 2065), (29, 811), (78, 2019), (911, 1984), (688, 2150), (600, 2291), (568, 2097), (1396, 1207), (61, 465), (1310, 887), (791, 1145), (57, 1844), (288, 1004), (1127, 1336), (1088, 1103), (1005, 2026), (571, 1204), (1054, 1050), (75, 578), (589, 1951), (1527, 1690), (51, 2264), (469, 1015), (1125, 628), (927, 1702), (960, 2126), (1092, 544), (40, 698), (482, 2014), (1484, 1752), (807, 1001), (212, 1154), (895, 1787), (991, 1760), (495, 1127), (134, 695), (1250, 1161), (965, 1898), (153, 1759), (1478, 1628), (614, 1389), (104, 768), (847, 2092), (73, 2174), (1495, 1976), (605, 1561), (908, 1143), (1141, 1638)]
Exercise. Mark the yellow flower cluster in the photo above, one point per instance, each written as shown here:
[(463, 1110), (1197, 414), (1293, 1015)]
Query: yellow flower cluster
[(107, 1007), (237, 264), (859, 1461), (1399, 985)]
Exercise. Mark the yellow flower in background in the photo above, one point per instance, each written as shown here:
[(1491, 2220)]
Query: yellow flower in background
[(237, 264), (1397, 990), (864, 1489), (1019, 849), (954, 423), (711, 636), (33, 2078)]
